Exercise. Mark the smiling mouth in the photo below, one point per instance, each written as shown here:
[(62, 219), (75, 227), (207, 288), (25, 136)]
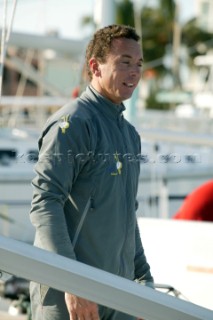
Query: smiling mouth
[(129, 85)]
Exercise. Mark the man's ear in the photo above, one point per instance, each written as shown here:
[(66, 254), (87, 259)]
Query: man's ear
[(94, 67)]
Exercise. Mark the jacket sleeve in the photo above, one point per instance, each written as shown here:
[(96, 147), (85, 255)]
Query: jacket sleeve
[(142, 268), (56, 171)]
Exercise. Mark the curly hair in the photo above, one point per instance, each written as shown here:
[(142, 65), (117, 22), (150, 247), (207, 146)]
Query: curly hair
[(100, 45)]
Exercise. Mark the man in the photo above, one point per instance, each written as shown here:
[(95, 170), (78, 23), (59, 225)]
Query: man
[(86, 180)]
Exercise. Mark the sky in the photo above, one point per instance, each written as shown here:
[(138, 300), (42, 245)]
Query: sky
[(64, 16)]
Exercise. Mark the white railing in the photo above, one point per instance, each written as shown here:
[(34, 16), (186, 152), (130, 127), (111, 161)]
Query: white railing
[(175, 137), (26, 261)]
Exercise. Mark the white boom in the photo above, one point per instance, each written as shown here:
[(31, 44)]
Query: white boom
[(99, 286)]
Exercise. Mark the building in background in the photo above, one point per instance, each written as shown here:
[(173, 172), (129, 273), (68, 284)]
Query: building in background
[(204, 10)]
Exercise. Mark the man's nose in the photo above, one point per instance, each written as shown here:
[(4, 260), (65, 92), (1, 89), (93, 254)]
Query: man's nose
[(135, 70)]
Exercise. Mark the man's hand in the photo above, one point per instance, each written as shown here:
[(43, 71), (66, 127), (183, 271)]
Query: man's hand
[(81, 309)]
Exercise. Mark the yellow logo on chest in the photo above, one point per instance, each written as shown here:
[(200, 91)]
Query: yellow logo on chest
[(118, 165)]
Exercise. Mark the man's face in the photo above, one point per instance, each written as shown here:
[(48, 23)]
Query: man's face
[(117, 78)]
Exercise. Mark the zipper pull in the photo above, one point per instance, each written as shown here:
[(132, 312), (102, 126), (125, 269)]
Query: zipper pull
[(92, 204)]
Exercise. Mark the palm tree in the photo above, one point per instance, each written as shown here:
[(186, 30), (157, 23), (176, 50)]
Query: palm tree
[(197, 40), (125, 12)]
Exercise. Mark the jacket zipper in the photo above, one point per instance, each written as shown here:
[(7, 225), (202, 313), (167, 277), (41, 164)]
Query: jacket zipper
[(81, 222)]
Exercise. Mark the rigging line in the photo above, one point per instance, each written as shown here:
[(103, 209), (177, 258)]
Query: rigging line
[(11, 22), (5, 39), (3, 44)]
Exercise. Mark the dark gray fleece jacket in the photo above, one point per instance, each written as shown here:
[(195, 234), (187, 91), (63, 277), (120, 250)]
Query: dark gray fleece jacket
[(85, 187)]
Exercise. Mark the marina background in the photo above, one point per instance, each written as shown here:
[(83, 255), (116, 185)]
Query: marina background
[(43, 68)]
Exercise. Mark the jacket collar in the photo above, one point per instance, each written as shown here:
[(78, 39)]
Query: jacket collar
[(103, 104)]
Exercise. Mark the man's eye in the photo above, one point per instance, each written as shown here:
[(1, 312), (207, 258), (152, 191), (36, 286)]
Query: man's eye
[(125, 62)]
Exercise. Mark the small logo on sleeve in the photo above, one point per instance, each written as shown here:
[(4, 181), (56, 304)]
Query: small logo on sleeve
[(64, 123)]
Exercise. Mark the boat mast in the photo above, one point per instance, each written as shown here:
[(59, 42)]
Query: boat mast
[(104, 13), (5, 38)]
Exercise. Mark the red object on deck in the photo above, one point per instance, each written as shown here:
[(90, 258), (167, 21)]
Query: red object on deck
[(75, 92), (198, 205)]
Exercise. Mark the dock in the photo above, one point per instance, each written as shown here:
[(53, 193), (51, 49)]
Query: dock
[(6, 316)]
